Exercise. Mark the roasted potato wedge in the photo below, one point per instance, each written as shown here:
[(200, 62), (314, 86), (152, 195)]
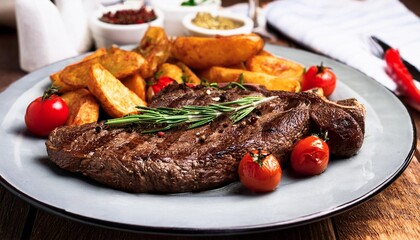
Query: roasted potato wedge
[(83, 107), (178, 71), (136, 84), (280, 67), (122, 63), (63, 86), (238, 66), (221, 74), (115, 98), (75, 75), (188, 75), (202, 53), (99, 52), (119, 62), (155, 46), (264, 53), (171, 70)]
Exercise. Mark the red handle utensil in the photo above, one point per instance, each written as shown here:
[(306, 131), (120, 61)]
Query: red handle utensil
[(401, 76)]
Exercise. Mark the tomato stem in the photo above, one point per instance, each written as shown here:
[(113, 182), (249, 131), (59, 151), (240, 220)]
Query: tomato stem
[(49, 92), (322, 135), (321, 68), (259, 157)]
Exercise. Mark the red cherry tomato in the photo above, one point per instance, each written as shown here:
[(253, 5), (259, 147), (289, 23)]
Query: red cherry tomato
[(46, 113), (259, 171), (310, 156), (319, 77)]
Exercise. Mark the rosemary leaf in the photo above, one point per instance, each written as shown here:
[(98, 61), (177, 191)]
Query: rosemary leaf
[(193, 116), (239, 115), (202, 122)]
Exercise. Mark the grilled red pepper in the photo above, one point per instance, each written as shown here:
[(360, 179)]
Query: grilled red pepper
[(163, 82), (401, 76)]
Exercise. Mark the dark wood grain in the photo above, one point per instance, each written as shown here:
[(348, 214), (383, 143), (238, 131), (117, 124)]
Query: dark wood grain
[(394, 212), (321, 230), (13, 215)]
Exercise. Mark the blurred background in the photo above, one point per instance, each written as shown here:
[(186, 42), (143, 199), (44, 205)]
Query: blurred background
[(11, 64)]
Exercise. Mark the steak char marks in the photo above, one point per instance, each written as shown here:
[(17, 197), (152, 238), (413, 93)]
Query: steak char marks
[(208, 156)]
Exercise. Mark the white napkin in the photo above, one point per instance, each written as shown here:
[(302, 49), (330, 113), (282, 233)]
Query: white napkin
[(340, 28), (48, 33)]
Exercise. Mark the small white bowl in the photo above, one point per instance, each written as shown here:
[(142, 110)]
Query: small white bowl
[(194, 30), (174, 13), (107, 34)]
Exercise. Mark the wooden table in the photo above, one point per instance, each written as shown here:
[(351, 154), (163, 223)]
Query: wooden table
[(391, 214)]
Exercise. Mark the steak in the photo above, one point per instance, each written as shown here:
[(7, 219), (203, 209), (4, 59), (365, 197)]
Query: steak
[(207, 157)]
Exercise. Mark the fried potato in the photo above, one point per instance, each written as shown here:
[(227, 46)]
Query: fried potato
[(178, 71), (238, 66), (64, 87), (202, 53), (61, 86), (280, 67), (136, 84), (188, 75), (221, 74), (264, 53), (115, 98), (119, 62), (172, 71), (99, 52), (155, 47), (83, 107)]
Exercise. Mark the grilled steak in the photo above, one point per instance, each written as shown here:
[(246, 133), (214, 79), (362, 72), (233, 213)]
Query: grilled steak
[(206, 157)]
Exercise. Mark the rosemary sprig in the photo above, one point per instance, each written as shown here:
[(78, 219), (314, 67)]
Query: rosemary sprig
[(191, 3), (194, 116), (230, 85)]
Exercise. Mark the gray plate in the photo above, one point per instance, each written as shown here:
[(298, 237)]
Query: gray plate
[(388, 149)]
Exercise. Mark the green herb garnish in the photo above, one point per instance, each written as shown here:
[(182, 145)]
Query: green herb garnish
[(193, 116), (230, 85), (191, 3)]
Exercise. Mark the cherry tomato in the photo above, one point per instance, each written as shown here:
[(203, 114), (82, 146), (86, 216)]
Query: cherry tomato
[(259, 171), (310, 156), (46, 113), (319, 77)]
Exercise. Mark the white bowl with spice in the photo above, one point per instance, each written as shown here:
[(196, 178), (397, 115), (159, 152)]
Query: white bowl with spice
[(175, 10), (123, 24), (210, 24)]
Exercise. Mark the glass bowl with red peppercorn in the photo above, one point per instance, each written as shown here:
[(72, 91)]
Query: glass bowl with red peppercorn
[(123, 24)]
